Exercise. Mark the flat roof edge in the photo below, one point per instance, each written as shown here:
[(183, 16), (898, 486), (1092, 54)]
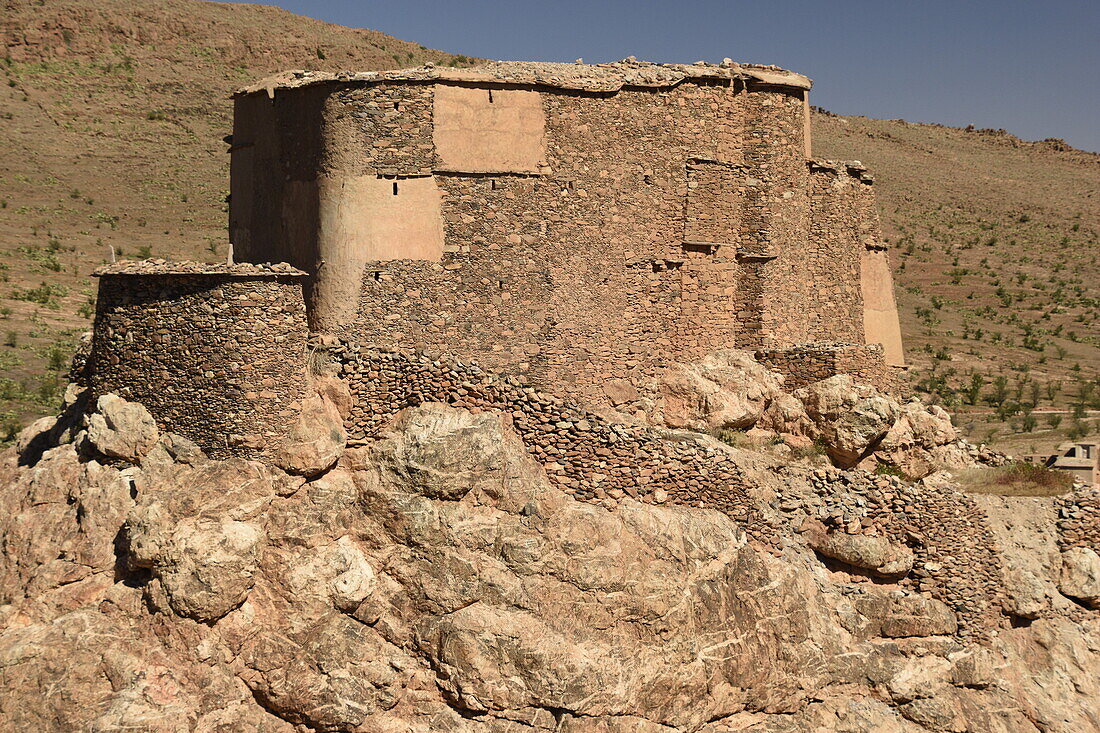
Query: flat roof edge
[(569, 77)]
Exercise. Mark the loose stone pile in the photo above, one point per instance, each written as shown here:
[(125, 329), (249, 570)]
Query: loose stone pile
[(1079, 519)]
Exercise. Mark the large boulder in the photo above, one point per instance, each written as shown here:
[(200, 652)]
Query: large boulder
[(122, 429), (849, 418), (199, 531), (873, 553), (1025, 594), (315, 441), (207, 565), (786, 415), (923, 440), (727, 389), (1080, 575), (443, 453), (899, 615)]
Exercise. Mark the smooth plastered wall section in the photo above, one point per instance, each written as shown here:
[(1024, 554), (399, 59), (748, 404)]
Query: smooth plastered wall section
[(369, 218), (489, 130), (880, 309)]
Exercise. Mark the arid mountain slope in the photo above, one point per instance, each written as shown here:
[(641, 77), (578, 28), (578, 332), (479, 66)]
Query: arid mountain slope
[(114, 116)]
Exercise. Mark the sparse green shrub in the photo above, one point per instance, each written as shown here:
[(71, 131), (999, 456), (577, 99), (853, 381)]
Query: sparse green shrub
[(45, 294)]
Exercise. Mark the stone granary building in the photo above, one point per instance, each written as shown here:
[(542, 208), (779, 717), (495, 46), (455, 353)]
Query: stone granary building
[(578, 227)]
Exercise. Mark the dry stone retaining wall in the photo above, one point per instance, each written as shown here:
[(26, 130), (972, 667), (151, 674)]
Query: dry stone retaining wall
[(215, 353), (588, 457), (808, 363), (1079, 519)]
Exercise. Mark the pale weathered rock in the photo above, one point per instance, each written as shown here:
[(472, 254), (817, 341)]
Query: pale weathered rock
[(874, 553), (975, 669), (335, 391), (121, 429), (727, 389), (785, 414), (316, 440), (914, 615), (207, 566), (1080, 576), (445, 453), (923, 440), (851, 419), (1025, 594), (440, 581)]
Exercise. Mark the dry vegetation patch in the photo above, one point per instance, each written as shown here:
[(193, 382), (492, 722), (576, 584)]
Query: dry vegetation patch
[(1016, 479)]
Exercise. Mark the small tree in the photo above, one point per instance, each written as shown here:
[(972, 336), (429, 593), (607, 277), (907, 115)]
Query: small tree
[(1029, 422), (973, 390), (1000, 391)]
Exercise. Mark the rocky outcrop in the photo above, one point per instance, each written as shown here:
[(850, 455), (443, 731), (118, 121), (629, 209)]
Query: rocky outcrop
[(851, 419), (435, 579), (1080, 577), (726, 390), (121, 429), (315, 441), (873, 553)]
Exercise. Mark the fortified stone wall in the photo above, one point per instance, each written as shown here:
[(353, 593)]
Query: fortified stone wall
[(569, 230), (216, 353)]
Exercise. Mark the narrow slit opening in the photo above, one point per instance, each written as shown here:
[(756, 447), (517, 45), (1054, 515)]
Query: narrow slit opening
[(490, 96), (395, 188)]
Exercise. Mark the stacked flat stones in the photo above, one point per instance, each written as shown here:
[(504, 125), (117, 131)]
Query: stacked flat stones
[(1079, 519), (955, 558)]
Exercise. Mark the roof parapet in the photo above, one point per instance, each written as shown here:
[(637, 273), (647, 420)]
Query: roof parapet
[(167, 267), (610, 77)]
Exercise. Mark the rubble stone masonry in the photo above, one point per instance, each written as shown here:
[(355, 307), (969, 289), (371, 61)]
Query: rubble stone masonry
[(215, 353), (638, 214), (604, 463)]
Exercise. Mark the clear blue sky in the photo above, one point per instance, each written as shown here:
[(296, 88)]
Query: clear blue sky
[(1029, 67)]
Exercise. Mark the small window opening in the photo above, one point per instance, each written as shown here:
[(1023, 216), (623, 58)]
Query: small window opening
[(493, 184), (377, 275), (500, 284), (490, 96), (395, 188), (397, 105)]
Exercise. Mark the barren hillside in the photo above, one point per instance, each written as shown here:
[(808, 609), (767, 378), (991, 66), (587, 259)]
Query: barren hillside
[(997, 270), (114, 116)]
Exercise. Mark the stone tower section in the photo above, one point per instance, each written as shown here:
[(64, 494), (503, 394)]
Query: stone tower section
[(577, 225), (216, 353)]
